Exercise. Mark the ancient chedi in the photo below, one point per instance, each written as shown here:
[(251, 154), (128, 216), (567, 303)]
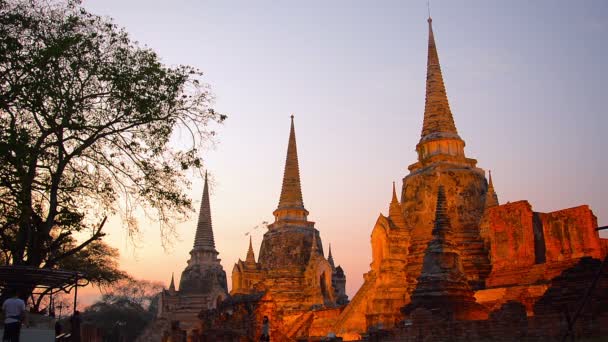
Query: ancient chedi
[(441, 160), (291, 268), (203, 281), (442, 285), (506, 252)]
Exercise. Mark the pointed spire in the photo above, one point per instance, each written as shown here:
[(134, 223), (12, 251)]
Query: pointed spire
[(330, 258), (438, 120), (394, 199), (394, 210), (172, 284), (204, 229), (291, 192), (291, 206), (250, 256), (491, 197), (314, 249)]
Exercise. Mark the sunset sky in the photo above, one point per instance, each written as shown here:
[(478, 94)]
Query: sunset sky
[(526, 82)]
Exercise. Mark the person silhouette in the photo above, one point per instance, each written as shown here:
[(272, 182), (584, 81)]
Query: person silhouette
[(58, 328), (14, 313), (75, 323), (265, 330)]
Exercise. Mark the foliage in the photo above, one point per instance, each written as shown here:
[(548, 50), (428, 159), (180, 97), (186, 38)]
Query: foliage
[(97, 261), (141, 293), (125, 310), (91, 124)]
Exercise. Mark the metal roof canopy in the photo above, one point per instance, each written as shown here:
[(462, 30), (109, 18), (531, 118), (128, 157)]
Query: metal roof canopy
[(40, 278), (26, 276)]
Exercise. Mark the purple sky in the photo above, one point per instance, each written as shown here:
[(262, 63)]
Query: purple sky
[(525, 80)]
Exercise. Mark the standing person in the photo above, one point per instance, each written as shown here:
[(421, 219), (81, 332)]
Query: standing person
[(14, 315), (58, 328), (75, 323), (265, 330)]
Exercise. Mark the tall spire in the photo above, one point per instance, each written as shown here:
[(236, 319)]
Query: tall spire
[(491, 197), (438, 120), (291, 205), (204, 230), (250, 256), (439, 135), (291, 192)]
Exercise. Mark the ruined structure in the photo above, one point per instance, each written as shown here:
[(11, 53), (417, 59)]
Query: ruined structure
[(203, 281), (566, 309), (448, 261), (291, 267), (464, 250)]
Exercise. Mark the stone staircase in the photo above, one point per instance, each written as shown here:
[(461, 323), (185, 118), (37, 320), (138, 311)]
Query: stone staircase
[(303, 322), (355, 304)]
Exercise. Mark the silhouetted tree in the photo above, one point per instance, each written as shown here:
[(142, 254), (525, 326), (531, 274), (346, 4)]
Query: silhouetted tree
[(97, 261), (125, 310), (91, 124), (143, 293)]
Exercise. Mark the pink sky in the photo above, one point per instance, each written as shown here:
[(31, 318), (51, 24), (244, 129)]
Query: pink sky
[(525, 83)]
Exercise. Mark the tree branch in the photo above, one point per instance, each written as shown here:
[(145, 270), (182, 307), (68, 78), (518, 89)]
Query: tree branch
[(97, 235)]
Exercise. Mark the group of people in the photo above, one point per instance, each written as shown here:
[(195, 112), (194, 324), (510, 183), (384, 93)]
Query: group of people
[(15, 316)]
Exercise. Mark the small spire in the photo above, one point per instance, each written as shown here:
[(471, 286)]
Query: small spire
[(250, 256), (442, 285), (330, 258), (491, 196), (172, 284), (395, 212), (204, 228), (314, 249), (394, 199)]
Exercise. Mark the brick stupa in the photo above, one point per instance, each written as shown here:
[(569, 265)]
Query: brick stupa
[(291, 268), (505, 252), (442, 161), (442, 286), (203, 282)]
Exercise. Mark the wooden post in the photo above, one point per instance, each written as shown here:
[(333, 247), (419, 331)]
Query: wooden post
[(51, 303), (75, 294)]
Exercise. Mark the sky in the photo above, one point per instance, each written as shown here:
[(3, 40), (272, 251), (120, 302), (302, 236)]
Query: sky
[(525, 81)]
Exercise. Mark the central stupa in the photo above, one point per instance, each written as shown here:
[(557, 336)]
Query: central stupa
[(291, 268)]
